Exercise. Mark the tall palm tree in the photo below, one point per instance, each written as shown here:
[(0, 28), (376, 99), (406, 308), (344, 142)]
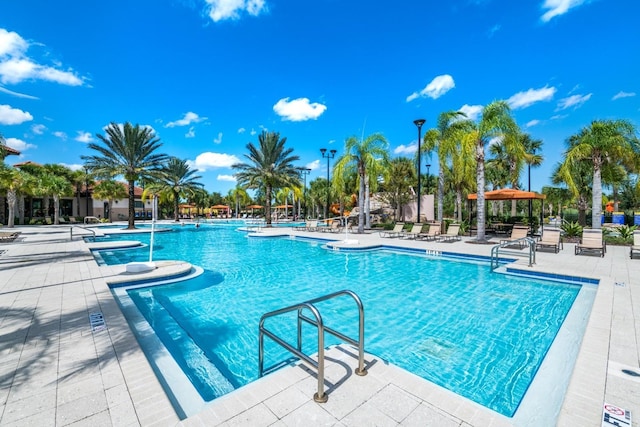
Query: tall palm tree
[(399, 177), (602, 142), (496, 122), (270, 165), (14, 182), (240, 197), (129, 151), (365, 156), (445, 139), (55, 186), (110, 190), (177, 180)]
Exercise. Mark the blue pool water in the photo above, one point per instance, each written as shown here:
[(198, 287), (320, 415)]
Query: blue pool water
[(480, 334)]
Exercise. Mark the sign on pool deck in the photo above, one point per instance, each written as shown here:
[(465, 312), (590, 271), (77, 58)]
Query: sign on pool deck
[(614, 416)]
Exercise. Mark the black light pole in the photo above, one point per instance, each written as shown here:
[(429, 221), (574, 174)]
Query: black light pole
[(304, 172), (419, 123), (530, 200), (86, 188), (330, 155)]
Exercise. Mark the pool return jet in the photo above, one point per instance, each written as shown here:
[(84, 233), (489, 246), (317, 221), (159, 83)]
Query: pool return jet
[(143, 267)]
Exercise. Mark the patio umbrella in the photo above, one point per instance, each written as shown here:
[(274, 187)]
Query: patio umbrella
[(252, 207)]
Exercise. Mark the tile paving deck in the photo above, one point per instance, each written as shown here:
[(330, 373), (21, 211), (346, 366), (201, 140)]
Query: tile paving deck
[(55, 371)]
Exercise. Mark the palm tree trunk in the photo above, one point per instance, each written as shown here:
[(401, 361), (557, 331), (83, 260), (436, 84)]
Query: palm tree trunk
[(11, 201), (596, 208), (176, 206), (459, 204), (361, 203), (268, 205), (367, 204), (56, 209), (480, 184), (441, 192), (132, 211)]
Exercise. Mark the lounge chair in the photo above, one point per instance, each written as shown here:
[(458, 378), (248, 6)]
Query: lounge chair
[(416, 229), (72, 220), (591, 241), (8, 236), (518, 232), (551, 239), (304, 227), (635, 249), (396, 232), (334, 227), (61, 220), (453, 233), (432, 233)]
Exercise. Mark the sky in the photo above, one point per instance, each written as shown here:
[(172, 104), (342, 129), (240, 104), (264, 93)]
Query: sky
[(209, 75)]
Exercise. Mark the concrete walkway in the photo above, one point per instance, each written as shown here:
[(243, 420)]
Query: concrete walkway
[(54, 370)]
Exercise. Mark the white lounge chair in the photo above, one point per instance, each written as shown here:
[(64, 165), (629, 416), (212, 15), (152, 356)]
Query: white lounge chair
[(591, 241), (551, 239), (518, 232), (432, 233), (396, 232), (635, 248), (453, 233), (416, 229)]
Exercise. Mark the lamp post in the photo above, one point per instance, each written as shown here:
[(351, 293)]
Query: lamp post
[(530, 200), (86, 189), (419, 123), (330, 155), (304, 172)]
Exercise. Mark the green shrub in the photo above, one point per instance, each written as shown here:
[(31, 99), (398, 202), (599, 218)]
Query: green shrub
[(571, 229), (626, 232)]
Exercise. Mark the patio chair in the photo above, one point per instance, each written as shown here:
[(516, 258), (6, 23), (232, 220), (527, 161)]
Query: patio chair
[(334, 227), (396, 232), (432, 233), (453, 233), (518, 232), (416, 229), (591, 241), (635, 248), (72, 220), (303, 227), (551, 239), (8, 236), (312, 225)]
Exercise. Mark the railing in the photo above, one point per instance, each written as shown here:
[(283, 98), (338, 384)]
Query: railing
[(526, 241), (320, 396), (81, 228)]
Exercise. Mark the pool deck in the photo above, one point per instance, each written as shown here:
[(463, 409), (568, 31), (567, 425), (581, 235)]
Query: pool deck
[(54, 370)]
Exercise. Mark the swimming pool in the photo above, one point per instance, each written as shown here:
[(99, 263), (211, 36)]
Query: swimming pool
[(480, 334)]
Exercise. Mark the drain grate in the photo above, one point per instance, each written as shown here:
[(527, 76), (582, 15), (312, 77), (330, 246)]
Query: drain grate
[(97, 322)]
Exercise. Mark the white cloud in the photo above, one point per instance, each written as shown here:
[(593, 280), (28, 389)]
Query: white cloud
[(16, 67), (17, 94), (530, 97), (532, 123), (438, 87), (188, 118), (559, 117), (622, 94), (493, 30), (209, 160), (242, 130), (13, 116), (406, 149), (83, 137), (471, 111), (72, 166), (61, 135), (299, 109), (558, 7), (191, 133), (573, 101), (253, 132), (228, 178), (38, 129), (220, 10), (313, 165), (18, 144), (218, 139)]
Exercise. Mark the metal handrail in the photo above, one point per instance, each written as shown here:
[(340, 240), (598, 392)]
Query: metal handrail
[(82, 228), (320, 396), (495, 251)]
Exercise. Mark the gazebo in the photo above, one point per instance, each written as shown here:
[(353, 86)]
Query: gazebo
[(508, 194)]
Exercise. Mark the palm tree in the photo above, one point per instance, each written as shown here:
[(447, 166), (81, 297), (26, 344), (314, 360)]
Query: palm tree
[(55, 186), (14, 182), (365, 156), (110, 190), (269, 166), (129, 151), (445, 138), (399, 177), (601, 143), (240, 197), (177, 180), (496, 122)]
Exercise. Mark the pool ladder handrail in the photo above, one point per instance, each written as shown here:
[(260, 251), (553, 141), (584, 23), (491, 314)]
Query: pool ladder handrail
[(81, 228), (320, 396), (495, 251)]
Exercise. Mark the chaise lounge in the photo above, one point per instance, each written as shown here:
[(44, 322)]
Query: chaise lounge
[(635, 248), (453, 233), (518, 232), (396, 232), (591, 241), (551, 239)]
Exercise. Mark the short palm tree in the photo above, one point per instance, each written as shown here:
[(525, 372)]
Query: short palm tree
[(55, 186), (365, 156), (178, 181), (269, 166), (110, 190), (129, 151), (602, 142), (14, 182)]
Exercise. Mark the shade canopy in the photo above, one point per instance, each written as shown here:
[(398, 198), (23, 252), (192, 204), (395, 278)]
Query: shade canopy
[(508, 194), (253, 207), (219, 207), (284, 206)]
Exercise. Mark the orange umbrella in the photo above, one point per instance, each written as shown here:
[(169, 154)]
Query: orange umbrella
[(253, 207), (219, 207)]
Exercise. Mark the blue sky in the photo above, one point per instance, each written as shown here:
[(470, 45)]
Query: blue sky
[(208, 75)]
